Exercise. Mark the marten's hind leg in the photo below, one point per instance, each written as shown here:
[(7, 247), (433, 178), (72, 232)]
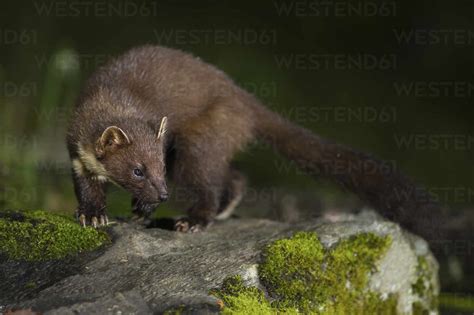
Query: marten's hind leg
[(204, 184), (232, 195), (204, 149)]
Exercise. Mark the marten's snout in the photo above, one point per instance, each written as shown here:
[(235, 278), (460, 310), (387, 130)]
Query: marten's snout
[(161, 190), (163, 197)]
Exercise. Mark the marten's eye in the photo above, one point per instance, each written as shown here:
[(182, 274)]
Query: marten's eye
[(138, 172)]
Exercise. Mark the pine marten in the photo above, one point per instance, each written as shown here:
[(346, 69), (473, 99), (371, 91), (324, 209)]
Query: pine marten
[(156, 110)]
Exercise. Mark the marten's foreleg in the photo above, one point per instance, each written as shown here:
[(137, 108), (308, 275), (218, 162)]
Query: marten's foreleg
[(90, 192)]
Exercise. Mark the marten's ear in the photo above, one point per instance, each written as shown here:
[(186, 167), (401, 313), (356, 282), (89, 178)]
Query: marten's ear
[(112, 138), (162, 130)]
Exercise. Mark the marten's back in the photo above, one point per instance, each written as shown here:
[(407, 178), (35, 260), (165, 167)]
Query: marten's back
[(165, 80), (148, 83)]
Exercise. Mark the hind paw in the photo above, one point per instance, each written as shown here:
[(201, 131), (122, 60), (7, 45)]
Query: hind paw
[(187, 225)]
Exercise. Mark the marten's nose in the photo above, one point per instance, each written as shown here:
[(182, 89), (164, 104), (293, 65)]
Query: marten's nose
[(163, 197)]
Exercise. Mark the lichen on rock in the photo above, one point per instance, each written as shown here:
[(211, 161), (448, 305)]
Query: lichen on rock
[(39, 235)]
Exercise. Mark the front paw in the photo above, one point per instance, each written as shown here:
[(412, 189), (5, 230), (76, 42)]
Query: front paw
[(94, 218), (188, 225)]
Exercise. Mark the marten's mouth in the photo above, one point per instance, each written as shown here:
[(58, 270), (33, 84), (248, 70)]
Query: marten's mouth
[(143, 208), (150, 206)]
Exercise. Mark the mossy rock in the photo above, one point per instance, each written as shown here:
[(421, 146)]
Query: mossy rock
[(40, 236), (375, 268), (301, 276), (424, 287)]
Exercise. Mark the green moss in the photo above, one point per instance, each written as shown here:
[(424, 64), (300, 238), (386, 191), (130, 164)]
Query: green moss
[(30, 285), (39, 235), (290, 264), (304, 277), (424, 287), (420, 286), (240, 299), (302, 274), (419, 309)]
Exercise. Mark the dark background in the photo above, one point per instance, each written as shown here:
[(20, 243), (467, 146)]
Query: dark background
[(293, 55)]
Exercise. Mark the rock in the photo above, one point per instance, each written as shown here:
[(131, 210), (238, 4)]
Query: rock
[(153, 270)]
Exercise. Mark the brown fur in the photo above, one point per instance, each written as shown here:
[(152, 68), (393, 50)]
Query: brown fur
[(210, 119)]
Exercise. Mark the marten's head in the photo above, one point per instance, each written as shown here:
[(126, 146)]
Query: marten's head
[(133, 157)]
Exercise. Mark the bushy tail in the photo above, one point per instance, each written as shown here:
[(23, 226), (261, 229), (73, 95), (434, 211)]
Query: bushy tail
[(376, 182)]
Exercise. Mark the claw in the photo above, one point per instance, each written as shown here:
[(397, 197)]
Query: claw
[(103, 220), (185, 226), (94, 222), (194, 228), (82, 220), (181, 226)]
